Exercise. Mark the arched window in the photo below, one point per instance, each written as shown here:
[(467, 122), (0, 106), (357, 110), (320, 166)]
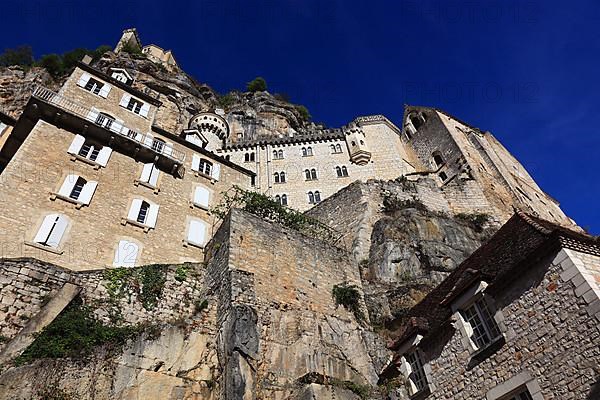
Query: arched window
[(311, 198), (438, 160), (317, 197), (362, 142), (304, 153), (443, 176), (282, 177), (309, 151), (338, 148), (284, 200), (332, 148), (276, 177), (246, 157), (313, 174), (280, 154), (344, 171), (201, 197), (416, 121), (278, 199), (275, 154), (307, 174), (353, 143), (338, 171), (228, 157), (252, 156)]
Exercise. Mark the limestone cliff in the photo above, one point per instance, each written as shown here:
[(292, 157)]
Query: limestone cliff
[(17, 84)]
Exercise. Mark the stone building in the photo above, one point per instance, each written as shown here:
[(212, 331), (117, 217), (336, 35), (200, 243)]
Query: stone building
[(6, 126), (519, 319), (109, 188)]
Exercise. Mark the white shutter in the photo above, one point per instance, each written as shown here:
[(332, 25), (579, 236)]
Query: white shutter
[(216, 172), (83, 80), (125, 100), (146, 171), (167, 150), (87, 192), (105, 90), (92, 115), (195, 162), (144, 110), (68, 184), (126, 254), (148, 140), (201, 195), (103, 156), (44, 231), (76, 144), (134, 210), (154, 176), (197, 232), (152, 215), (59, 230)]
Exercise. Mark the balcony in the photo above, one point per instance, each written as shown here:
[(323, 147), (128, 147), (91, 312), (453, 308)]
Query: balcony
[(143, 145)]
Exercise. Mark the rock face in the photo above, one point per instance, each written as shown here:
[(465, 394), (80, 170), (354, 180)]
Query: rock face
[(17, 84)]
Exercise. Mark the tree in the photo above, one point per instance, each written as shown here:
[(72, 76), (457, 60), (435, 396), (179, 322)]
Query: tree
[(53, 64), (258, 84), (303, 111), (22, 55)]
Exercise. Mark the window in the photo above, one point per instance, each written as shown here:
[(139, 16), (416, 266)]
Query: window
[(311, 198), (249, 157), (415, 372), (281, 199), (336, 148), (438, 160), (76, 188), (206, 167), (279, 177), (313, 174), (150, 174), (310, 174), (307, 174), (341, 171), (52, 230), (126, 254), (443, 176), (278, 154), (93, 85), (481, 327), (143, 212), (158, 145), (90, 150), (134, 105), (317, 197), (196, 234), (307, 151), (524, 395), (201, 197), (104, 120)]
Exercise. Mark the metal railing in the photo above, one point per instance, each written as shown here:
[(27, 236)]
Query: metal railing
[(108, 123)]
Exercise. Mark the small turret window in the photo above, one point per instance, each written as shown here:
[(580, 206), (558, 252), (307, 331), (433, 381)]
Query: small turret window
[(438, 160)]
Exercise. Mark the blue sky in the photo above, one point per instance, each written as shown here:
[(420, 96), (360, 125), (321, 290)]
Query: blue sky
[(525, 70)]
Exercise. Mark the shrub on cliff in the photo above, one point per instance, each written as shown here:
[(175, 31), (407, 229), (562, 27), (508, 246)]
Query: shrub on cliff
[(22, 55), (348, 296), (258, 84)]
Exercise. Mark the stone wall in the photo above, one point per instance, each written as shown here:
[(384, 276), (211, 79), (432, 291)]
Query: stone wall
[(277, 313), (549, 335)]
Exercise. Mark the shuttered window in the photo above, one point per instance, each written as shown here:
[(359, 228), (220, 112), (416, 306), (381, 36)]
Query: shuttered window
[(78, 189), (143, 212), (90, 151), (52, 230), (93, 85), (150, 174)]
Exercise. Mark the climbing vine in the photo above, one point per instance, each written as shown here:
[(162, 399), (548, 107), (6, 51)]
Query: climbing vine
[(268, 209), (146, 282)]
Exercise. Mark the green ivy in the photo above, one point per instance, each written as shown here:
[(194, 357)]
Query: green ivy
[(146, 282), (74, 333), (268, 209), (392, 203), (181, 272), (348, 296)]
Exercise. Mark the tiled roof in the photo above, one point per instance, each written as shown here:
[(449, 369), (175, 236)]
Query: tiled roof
[(497, 261)]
